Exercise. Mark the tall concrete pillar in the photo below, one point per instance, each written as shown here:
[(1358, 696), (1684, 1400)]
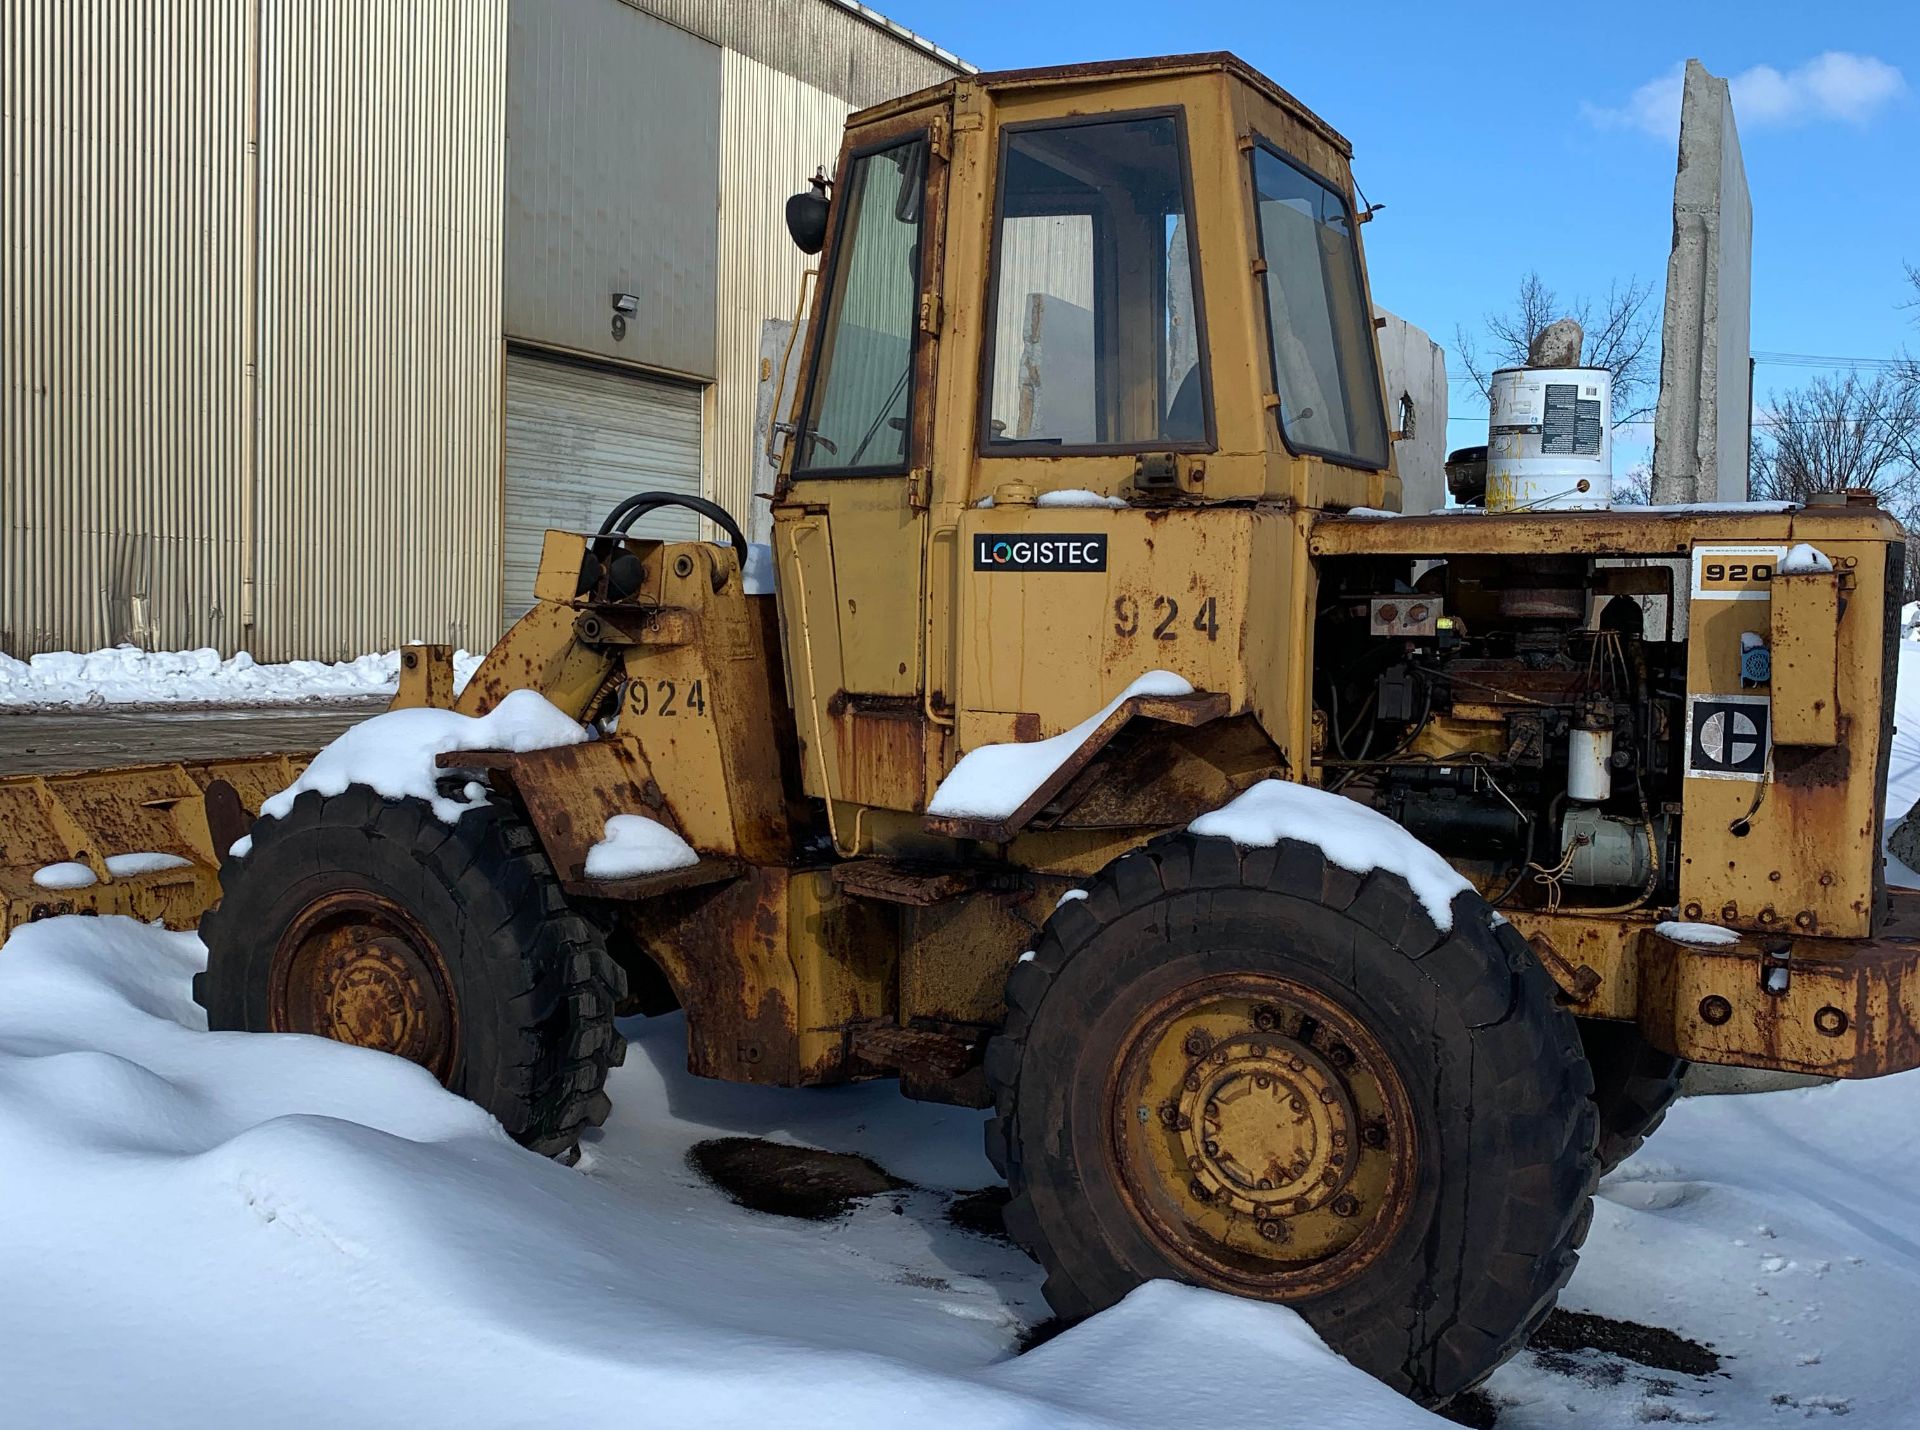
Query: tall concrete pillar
[(1414, 369), (1702, 422)]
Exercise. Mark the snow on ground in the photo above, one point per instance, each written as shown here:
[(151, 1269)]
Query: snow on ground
[(221, 1226), (228, 1228), (126, 676)]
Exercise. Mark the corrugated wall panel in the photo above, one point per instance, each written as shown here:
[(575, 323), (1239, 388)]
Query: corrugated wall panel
[(123, 360), (380, 217), (774, 131)]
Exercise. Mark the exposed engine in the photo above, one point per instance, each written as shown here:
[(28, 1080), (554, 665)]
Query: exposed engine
[(1518, 715)]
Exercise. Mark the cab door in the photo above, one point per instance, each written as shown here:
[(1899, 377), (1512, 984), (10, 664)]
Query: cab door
[(850, 523)]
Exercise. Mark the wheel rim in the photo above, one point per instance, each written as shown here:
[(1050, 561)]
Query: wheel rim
[(357, 968), (1261, 1136)]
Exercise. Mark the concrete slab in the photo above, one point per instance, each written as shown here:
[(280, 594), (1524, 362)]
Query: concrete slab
[(39, 744), (1702, 422), (1413, 368)]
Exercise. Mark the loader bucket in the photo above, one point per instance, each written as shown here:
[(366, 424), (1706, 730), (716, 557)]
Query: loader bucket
[(142, 840)]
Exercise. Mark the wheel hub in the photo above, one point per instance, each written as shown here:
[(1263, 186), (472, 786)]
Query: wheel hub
[(1261, 1135), (1268, 1125), (356, 968)]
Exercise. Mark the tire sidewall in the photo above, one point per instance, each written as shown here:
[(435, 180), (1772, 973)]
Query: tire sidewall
[(406, 855), (1156, 950)]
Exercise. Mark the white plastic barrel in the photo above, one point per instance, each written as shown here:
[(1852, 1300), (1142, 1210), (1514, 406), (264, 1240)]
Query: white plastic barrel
[(1550, 439)]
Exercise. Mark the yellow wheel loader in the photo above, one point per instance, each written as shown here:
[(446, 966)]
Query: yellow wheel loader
[(1319, 897)]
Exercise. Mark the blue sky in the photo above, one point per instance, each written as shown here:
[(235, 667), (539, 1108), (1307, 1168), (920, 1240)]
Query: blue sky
[(1503, 138)]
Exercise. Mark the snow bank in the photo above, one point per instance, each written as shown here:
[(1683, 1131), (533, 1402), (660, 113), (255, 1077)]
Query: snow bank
[(126, 676), (635, 845), (394, 753), (1804, 560), (1356, 838), (1369, 513), (995, 780), (215, 1219)]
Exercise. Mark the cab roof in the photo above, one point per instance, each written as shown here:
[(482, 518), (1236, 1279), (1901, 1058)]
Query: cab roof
[(1115, 71)]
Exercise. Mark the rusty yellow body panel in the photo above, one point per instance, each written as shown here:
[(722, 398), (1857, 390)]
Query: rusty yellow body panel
[(88, 816)]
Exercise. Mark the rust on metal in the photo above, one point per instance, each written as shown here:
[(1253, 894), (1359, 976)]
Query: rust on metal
[(85, 817), (1246, 1099), (1178, 710), (358, 968), (903, 883), (1828, 1006)]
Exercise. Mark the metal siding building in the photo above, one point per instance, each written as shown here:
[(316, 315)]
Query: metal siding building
[(307, 309)]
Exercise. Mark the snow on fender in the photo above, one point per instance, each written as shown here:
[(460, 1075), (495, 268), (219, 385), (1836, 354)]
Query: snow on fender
[(1356, 838), (393, 754)]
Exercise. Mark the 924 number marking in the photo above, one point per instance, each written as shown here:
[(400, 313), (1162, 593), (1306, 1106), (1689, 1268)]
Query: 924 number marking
[(664, 698), (1165, 614)]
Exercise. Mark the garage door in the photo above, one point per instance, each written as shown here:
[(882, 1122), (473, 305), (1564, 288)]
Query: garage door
[(578, 440)]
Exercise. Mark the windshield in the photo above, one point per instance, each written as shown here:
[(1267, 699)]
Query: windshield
[(1320, 331), (1095, 341), (856, 419)]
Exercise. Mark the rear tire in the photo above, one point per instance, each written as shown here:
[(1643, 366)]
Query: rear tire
[(1634, 1084), (1252, 1019), (370, 921)]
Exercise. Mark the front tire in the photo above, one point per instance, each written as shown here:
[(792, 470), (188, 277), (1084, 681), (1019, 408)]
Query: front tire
[(370, 921), (1255, 1071), (1634, 1084)]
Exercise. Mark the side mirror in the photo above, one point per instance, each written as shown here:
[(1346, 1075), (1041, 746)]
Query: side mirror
[(807, 215)]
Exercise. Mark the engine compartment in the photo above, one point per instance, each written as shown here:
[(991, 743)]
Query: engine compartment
[(1522, 716)]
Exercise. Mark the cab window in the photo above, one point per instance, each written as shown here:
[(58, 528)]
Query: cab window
[(1095, 342), (856, 419), (1319, 329)]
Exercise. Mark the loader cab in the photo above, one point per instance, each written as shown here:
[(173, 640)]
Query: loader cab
[(1054, 302)]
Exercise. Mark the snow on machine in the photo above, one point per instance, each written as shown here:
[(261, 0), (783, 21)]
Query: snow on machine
[(1319, 897)]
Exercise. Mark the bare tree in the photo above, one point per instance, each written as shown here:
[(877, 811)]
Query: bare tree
[(1634, 487), (1832, 435), (1619, 338)]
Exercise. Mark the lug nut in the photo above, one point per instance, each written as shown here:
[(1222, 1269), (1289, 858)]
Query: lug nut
[(1297, 1103), (1197, 1190), (1170, 1115), (1273, 1230), (1213, 1148), (1346, 1204), (1197, 1043), (1374, 1135), (1264, 1020)]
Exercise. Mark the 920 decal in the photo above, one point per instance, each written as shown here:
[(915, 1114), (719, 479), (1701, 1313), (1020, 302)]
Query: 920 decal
[(1040, 551), (1734, 573)]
